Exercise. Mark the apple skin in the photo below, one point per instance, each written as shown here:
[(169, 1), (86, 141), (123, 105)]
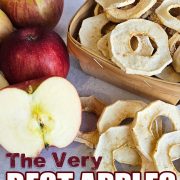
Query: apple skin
[(28, 86), (33, 53), (24, 13)]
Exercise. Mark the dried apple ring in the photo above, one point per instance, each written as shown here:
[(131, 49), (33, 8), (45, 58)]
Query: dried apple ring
[(118, 15), (142, 134), (163, 12), (114, 114), (90, 139), (114, 141), (103, 46), (151, 11), (131, 156), (162, 156), (98, 10), (175, 152), (124, 56), (176, 60), (174, 44), (170, 75), (107, 4), (174, 41), (90, 31), (93, 105), (143, 46)]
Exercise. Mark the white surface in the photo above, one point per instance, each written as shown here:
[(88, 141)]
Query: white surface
[(86, 85)]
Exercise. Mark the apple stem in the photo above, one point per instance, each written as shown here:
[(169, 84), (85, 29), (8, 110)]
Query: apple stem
[(30, 89), (46, 146)]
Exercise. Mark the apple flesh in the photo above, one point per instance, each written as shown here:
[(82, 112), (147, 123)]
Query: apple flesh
[(33, 53), (45, 13), (6, 26), (50, 116)]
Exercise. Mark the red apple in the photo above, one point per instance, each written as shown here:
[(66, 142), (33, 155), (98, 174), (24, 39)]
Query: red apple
[(24, 13), (33, 53)]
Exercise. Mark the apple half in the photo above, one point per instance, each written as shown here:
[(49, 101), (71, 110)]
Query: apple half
[(51, 116)]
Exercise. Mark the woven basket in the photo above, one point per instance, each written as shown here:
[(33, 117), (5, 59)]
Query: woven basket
[(102, 68)]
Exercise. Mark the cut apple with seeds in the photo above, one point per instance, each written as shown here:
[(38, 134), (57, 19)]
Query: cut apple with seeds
[(50, 116)]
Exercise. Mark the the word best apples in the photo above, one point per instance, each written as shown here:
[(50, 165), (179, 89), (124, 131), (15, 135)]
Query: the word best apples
[(51, 116), (33, 53)]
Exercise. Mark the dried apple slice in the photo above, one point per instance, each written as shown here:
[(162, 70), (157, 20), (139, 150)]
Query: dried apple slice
[(90, 139), (113, 139), (3, 81), (107, 4), (93, 105), (176, 60), (108, 28), (103, 46), (90, 31), (142, 134), (50, 116), (175, 152), (163, 12), (132, 158), (151, 11), (98, 10), (170, 75), (174, 42), (124, 56), (162, 155), (118, 15), (143, 46), (114, 114)]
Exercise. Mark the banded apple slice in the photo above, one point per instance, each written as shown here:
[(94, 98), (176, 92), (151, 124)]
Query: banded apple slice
[(50, 116)]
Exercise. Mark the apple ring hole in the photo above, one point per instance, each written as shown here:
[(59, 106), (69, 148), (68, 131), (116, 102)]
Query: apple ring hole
[(130, 5), (121, 167), (134, 43), (161, 125), (154, 45), (89, 122), (177, 164), (175, 12), (126, 121), (167, 125)]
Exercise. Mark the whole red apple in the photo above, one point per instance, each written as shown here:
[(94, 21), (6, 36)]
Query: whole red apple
[(23, 13), (33, 53)]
